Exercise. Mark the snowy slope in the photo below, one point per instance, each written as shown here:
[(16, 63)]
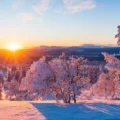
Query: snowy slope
[(86, 110)]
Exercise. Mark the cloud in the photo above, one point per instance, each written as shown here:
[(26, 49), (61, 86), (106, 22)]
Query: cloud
[(74, 6), (41, 6), (27, 16)]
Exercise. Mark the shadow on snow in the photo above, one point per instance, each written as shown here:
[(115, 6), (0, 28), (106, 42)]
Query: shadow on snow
[(97, 111)]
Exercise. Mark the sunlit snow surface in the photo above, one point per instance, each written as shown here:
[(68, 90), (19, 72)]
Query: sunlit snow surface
[(85, 110)]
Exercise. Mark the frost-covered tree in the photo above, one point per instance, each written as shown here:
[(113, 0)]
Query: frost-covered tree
[(11, 89), (61, 84), (109, 81), (105, 85), (113, 66), (78, 75), (70, 77), (37, 80), (113, 63)]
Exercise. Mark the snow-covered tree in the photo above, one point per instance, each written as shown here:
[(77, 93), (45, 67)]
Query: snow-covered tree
[(70, 77), (61, 85), (113, 63), (108, 83), (37, 80), (78, 75), (105, 85), (11, 89), (113, 66)]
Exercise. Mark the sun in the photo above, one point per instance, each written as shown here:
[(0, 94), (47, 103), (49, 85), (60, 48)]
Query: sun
[(13, 47)]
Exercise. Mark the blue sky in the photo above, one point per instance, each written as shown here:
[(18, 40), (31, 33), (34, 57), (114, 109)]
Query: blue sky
[(58, 22)]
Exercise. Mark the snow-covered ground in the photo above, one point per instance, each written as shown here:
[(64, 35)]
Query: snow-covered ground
[(19, 111), (48, 110)]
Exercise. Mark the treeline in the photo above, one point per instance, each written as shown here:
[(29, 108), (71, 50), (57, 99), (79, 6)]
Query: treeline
[(66, 79)]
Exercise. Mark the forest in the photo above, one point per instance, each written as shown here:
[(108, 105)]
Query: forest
[(65, 79)]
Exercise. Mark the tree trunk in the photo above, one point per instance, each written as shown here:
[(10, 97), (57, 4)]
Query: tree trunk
[(74, 98), (64, 100), (105, 93), (69, 99), (113, 90), (55, 96), (63, 97)]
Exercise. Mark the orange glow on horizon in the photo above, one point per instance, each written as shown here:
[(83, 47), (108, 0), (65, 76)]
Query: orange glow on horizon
[(13, 47)]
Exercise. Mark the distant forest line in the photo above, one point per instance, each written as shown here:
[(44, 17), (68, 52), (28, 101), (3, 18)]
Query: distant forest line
[(33, 54)]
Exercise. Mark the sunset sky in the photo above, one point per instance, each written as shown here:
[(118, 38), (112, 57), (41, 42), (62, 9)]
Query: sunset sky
[(58, 22)]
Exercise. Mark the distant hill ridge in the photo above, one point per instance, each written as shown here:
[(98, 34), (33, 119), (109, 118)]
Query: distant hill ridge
[(81, 46)]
